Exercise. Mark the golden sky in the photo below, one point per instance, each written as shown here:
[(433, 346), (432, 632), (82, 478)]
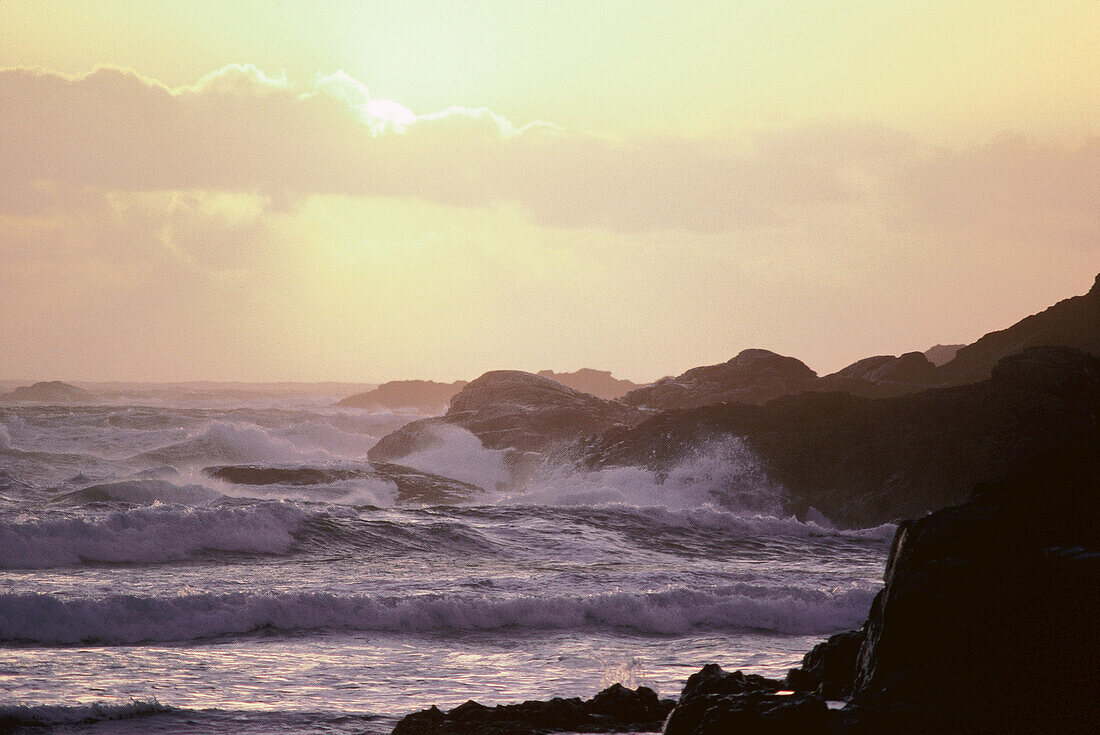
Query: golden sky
[(372, 190)]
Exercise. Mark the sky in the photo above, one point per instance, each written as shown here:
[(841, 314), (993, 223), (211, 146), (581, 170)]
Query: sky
[(369, 191)]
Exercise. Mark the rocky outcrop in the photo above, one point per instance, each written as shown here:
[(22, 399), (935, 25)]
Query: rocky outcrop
[(598, 383), (756, 713), (986, 624), (753, 377), (423, 396), (509, 409), (829, 669), (1073, 322), (52, 391), (615, 709), (942, 354), (882, 376), (864, 462), (413, 486), (992, 602)]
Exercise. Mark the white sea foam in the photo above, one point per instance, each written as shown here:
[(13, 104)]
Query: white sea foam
[(719, 475), (225, 441), (149, 535), (128, 619), (458, 454)]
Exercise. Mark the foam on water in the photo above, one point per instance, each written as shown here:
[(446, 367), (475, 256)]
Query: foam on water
[(458, 454)]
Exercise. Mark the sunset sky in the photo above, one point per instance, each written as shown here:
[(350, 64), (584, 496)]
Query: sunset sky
[(367, 191)]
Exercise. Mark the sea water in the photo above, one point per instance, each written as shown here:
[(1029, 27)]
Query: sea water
[(137, 594)]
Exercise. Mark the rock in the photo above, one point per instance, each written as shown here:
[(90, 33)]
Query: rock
[(53, 391), (1073, 322), (138, 492), (883, 376), (615, 709), (942, 354), (413, 486), (294, 476), (753, 376), (423, 396), (993, 601), (598, 383), (754, 713), (829, 669), (624, 705), (711, 679), (863, 462), (509, 409)]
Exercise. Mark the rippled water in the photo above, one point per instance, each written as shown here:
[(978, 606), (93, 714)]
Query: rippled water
[(166, 601)]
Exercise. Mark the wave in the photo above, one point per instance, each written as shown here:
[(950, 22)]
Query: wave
[(123, 619), (307, 437), (226, 441), (149, 535), (52, 715)]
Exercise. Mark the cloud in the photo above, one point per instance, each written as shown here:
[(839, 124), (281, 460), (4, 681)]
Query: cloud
[(240, 129)]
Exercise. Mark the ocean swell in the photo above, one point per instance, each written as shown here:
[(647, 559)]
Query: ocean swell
[(51, 715), (120, 619), (148, 535)]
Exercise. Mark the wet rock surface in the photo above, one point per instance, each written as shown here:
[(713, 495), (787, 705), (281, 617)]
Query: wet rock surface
[(615, 709), (413, 486)]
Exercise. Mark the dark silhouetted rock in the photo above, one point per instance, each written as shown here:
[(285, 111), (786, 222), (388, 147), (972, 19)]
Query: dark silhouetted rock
[(598, 383), (615, 709), (994, 599), (942, 354), (294, 476), (424, 396), (413, 486), (1074, 322), (829, 669), (753, 376), (711, 679), (882, 376), (52, 391), (509, 409), (987, 620), (864, 462), (753, 713)]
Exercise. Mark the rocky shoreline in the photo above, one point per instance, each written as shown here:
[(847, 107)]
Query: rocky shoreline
[(985, 624)]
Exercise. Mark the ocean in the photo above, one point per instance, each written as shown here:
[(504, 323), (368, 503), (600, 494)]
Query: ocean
[(139, 594)]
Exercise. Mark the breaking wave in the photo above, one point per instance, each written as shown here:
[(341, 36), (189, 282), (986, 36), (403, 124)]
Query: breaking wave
[(148, 535), (52, 715), (121, 619)]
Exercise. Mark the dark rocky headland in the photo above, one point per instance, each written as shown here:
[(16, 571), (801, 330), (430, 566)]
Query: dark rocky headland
[(987, 619)]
